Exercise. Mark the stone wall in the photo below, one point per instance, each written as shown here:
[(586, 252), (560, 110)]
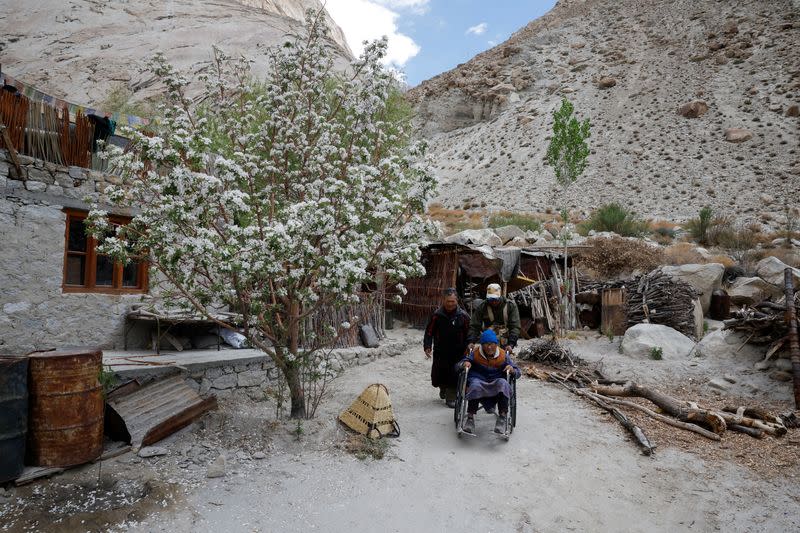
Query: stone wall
[(260, 376), (34, 313)]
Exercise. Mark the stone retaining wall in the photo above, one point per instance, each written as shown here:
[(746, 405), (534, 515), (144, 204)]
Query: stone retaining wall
[(259, 377)]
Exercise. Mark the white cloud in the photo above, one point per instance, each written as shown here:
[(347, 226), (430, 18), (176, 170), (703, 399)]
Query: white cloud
[(478, 29), (367, 20), (418, 7)]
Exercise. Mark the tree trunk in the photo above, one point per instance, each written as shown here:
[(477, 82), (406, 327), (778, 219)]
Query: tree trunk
[(292, 374), (292, 370)]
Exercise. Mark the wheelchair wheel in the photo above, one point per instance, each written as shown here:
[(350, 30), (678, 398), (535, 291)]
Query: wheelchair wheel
[(460, 411), (512, 406)]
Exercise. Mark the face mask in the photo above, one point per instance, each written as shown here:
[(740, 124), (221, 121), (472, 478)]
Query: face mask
[(492, 356)]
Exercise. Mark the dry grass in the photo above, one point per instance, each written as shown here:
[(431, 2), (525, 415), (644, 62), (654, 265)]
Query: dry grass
[(726, 261), (789, 256), (612, 257), (455, 220), (683, 253), (363, 447), (524, 221)]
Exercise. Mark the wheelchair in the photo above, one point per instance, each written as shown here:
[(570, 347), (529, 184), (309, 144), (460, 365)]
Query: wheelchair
[(460, 411)]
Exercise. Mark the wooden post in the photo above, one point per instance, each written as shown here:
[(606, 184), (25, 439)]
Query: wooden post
[(613, 316), (791, 320), (11, 151)]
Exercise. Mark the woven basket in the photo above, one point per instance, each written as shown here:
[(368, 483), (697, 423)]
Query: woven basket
[(371, 414)]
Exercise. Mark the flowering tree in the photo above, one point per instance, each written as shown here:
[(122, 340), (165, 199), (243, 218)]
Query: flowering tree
[(276, 198)]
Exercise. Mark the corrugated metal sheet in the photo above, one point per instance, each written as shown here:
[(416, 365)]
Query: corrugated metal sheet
[(157, 410)]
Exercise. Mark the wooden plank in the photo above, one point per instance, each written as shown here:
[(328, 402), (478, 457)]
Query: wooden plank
[(612, 313), (32, 473)]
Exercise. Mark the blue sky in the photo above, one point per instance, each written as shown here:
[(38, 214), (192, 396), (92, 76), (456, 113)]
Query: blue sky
[(427, 37)]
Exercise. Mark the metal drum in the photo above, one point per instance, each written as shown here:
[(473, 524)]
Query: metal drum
[(66, 408), (13, 416), (720, 308)]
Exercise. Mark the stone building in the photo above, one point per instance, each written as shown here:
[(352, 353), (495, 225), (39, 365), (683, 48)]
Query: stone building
[(55, 291)]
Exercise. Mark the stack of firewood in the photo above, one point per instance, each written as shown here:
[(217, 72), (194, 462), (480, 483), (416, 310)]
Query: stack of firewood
[(547, 351), (658, 298), (764, 323)]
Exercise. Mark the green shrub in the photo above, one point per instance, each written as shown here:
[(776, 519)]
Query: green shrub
[(656, 353), (614, 217), (521, 220), (698, 227)]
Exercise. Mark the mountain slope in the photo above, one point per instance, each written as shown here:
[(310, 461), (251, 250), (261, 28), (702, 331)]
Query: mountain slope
[(628, 65), (79, 50)]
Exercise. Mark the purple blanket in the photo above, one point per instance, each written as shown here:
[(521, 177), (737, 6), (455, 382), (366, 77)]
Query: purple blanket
[(478, 389)]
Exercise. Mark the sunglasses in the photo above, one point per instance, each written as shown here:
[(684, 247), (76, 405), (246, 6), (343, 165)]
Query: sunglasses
[(449, 292)]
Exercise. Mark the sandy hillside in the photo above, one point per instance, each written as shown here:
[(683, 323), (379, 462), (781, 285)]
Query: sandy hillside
[(628, 65), (80, 50)]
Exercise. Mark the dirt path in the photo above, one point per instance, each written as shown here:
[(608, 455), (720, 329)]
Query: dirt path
[(563, 469)]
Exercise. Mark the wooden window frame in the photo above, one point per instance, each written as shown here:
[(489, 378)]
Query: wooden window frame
[(90, 268)]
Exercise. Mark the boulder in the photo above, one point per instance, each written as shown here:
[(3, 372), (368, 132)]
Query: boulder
[(719, 384), (737, 135), (606, 82), (502, 88), (479, 237), (693, 109), (507, 233), (152, 451), (704, 278), (217, 468), (518, 242), (749, 291), (793, 111), (641, 338), (730, 28), (770, 269), (726, 344)]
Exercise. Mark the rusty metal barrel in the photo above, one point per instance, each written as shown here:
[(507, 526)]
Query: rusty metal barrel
[(66, 407), (13, 415)]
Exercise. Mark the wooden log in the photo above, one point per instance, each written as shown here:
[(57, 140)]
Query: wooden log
[(754, 412), (636, 431), (794, 339), (717, 421), (756, 433), (668, 404), (777, 430), (665, 419)]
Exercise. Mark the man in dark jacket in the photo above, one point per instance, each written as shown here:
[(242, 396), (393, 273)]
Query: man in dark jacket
[(446, 340), (498, 314)]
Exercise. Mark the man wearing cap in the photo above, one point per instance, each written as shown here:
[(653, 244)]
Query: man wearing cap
[(487, 381), (446, 339), (498, 314)]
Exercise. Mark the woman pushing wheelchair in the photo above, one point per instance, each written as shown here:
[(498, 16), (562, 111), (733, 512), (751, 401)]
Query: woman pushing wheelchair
[(490, 377)]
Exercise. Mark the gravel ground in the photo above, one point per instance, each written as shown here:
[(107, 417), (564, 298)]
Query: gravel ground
[(566, 467)]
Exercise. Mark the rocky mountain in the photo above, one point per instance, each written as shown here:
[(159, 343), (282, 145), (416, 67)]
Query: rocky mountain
[(692, 103), (80, 50)]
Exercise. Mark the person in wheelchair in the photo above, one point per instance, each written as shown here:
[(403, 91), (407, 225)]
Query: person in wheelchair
[(489, 367)]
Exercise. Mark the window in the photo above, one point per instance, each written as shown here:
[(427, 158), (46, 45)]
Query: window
[(85, 270)]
